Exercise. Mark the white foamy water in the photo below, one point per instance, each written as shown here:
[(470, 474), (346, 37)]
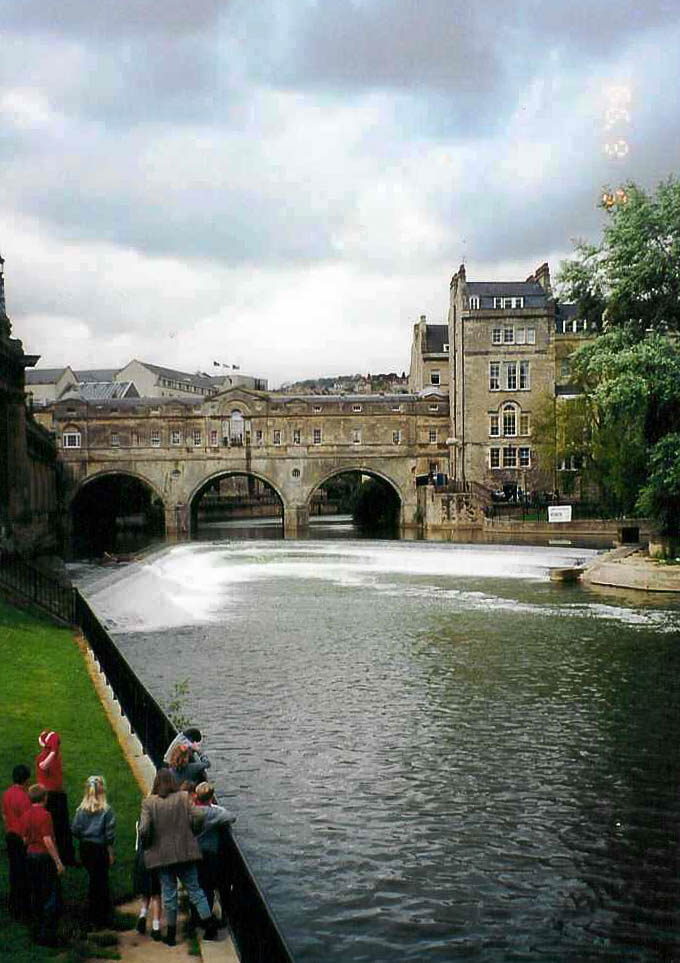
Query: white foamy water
[(195, 583)]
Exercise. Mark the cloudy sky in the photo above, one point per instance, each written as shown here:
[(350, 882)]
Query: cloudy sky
[(287, 185)]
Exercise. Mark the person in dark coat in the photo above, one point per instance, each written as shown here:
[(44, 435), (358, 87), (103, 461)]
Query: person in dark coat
[(213, 870), (167, 825)]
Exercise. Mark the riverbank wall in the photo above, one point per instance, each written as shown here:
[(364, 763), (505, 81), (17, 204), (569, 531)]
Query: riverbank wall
[(630, 567)]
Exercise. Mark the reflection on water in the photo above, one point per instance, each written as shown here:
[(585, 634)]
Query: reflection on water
[(435, 752)]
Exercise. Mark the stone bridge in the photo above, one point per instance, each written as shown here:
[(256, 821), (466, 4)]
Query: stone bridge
[(292, 443)]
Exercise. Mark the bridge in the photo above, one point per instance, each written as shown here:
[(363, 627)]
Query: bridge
[(293, 443)]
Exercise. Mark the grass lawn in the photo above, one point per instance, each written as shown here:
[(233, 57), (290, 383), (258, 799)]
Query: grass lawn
[(44, 684)]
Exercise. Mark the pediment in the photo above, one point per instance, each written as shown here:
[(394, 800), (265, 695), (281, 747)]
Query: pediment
[(224, 402)]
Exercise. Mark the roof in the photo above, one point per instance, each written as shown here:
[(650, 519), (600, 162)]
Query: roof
[(44, 376), (96, 374), (102, 390), (436, 336), (528, 289), (197, 379)]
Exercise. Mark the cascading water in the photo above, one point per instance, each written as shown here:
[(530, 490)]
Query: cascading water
[(435, 752)]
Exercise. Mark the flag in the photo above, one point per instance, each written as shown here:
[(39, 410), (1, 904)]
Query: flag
[(216, 364), (236, 367)]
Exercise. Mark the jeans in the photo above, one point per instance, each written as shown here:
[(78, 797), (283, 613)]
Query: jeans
[(189, 876)]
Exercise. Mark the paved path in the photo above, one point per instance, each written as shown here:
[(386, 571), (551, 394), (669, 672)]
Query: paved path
[(134, 948)]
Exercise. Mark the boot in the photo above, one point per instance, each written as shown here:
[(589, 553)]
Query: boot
[(170, 936), (210, 928)]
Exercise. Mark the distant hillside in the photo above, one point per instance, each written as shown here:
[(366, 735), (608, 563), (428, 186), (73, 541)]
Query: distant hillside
[(349, 384)]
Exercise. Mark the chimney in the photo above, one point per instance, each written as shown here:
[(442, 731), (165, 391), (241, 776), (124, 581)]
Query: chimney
[(5, 326), (423, 317), (542, 277)]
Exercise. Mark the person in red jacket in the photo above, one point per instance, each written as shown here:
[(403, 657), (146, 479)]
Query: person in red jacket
[(44, 867), (15, 803), (48, 772)]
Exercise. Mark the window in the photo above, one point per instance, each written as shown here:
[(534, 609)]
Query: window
[(317, 436), (258, 437), (446, 346), (356, 407), (277, 436), (525, 458), (494, 376), (524, 382), (432, 435), (316, 408), (510, 457), (524, 425), (433, 407), (511, 375), (513, 302), (197, 438), (213, 438), (571, 463), (494, 458), (155, 439), (494, 425), (565, 369), (134, 439), (496, 335), (509, 420), (508, 335), (71, 439), (531, 335), (295, 473), (356, 436), (434, 377), (520, 335), (296, 436), (396, 407), (115, 439), (396, 437), (474, 302), (175, 437)]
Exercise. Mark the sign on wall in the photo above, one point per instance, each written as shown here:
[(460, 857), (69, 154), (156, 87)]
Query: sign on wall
[(559, 513)]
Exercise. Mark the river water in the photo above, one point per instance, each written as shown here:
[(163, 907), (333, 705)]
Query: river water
[(435, 753)]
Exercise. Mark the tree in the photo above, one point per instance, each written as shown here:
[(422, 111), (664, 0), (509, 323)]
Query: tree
[(632, 278), (628, 287)]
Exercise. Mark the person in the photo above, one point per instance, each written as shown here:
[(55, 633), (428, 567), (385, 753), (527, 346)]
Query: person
[(15, 803), (49, 774), (185, 767), (147, 884), (213, 870), (43, 867), (94, 825), (193, 738), (167, 824)]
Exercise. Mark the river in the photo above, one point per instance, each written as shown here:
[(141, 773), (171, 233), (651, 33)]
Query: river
[(435, 753)]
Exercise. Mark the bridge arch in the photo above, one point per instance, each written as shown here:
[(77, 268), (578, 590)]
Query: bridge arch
[(377, 506), (356, 469), (204, 484), (114, 510)]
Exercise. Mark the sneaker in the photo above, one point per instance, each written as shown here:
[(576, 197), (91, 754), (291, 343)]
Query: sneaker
[(141, 925)]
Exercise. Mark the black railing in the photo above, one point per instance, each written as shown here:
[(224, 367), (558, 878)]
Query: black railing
[(258, 937), (29, 583)]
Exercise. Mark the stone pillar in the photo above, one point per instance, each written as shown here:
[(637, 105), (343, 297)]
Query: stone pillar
[(295, 520), (177, 526)]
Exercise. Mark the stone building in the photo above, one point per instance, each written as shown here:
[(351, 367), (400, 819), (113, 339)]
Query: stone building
[(429, 356), (28, 490), (155, 381)]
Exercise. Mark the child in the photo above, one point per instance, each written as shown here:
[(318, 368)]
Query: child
[(15, 803), (147, 884), (213, 870), (94, 824), (48, 772), (43, 867)]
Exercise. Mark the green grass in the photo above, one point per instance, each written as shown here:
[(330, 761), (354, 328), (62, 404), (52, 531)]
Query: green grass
[(44, 684)]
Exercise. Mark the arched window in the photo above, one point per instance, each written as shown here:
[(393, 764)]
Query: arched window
[(509, 420), (295, 473), (236, 427), (71, 437)]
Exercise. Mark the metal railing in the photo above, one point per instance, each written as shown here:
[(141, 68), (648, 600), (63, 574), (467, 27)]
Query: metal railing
[(257, 934), (44, 591)]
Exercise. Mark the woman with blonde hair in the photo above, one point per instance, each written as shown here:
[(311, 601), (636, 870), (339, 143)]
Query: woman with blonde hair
[(94, 825)]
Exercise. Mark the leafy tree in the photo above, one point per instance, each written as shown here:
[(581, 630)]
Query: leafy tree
[(632, 278)]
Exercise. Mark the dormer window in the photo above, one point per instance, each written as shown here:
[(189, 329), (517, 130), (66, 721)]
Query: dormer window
[(511, 303), (446, 346), (474, 304)]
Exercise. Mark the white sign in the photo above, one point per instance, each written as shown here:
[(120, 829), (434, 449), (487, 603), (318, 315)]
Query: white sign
[(559, 513)]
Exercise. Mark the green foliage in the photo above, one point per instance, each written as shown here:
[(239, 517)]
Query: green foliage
[(632, 278), (46, 684), (176, 705), (660, 495)]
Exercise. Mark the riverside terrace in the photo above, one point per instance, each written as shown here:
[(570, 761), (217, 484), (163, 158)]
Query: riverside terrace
[(294, 443)]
